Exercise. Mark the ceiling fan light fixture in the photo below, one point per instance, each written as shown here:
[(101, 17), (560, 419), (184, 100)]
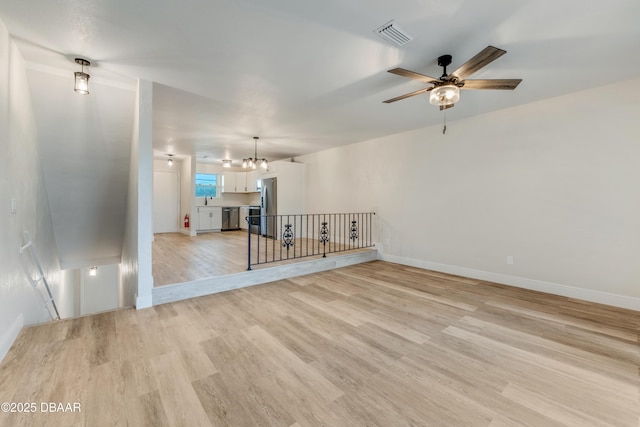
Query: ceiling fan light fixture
[(446, 94)]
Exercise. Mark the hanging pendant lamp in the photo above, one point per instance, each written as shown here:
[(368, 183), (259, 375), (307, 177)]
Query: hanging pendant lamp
[(81, 85), (252, 162)]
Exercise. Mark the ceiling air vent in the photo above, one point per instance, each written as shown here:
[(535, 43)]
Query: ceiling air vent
[(393, 34)]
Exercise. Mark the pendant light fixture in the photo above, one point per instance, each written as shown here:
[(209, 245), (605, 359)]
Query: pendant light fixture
[(252, 162), (82, 79), (170, 159), (93, 271), (226, 163)]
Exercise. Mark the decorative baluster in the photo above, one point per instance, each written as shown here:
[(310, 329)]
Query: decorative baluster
[(350, 231), (324, 238), (354, 230), (249, 247), (287, 238)]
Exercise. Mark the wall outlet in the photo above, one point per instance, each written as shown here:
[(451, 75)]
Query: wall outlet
[(510, 259)]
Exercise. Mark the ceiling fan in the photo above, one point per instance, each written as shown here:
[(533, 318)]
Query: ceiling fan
[(445, 91)]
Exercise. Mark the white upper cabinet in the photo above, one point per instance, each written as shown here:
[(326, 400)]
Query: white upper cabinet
[(240, 182), (229, 182), (252, 181)]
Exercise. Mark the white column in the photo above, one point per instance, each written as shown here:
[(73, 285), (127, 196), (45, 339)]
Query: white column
[(145, 193)]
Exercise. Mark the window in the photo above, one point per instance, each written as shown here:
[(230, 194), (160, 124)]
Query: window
[(207, 184)]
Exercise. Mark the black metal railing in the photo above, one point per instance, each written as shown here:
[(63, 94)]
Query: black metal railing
[(273, 238)]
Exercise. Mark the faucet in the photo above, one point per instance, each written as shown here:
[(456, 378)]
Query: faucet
[(205, 199)]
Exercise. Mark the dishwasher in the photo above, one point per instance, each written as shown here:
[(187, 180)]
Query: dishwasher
[(230, 218)]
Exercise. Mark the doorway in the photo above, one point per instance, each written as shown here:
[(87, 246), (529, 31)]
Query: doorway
[(166, 202)]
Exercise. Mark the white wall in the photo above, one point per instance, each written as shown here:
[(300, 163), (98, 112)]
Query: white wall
[(290, 186), (135, 270), (21, 180), (100, 292), (67, 296), (553, 184)]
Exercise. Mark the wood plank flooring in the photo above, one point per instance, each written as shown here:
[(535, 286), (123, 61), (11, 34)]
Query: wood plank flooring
[(178, 258), (374, 344)]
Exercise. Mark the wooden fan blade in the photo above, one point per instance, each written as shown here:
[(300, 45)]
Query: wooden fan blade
[(416, 76), (407, 95), (445, 107), (504, 84), (485, 57)]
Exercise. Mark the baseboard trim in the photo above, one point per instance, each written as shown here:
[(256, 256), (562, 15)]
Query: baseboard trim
[(8, 338), (599, 297), (185, 231), (144, 301)]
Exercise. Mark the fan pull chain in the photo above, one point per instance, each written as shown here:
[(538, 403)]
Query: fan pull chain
[(444, 129)]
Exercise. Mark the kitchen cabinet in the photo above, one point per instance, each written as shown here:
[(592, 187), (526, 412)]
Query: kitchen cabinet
[(229, 180), (240, 182), (209, 218), (252, 181)]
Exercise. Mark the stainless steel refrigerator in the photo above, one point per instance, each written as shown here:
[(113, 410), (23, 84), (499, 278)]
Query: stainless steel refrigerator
[(269, 208)]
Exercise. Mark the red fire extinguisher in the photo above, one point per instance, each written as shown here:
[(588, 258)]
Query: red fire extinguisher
[(186, 221)]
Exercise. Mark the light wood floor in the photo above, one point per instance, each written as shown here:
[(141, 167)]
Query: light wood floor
[(179, 258), (374, 344)]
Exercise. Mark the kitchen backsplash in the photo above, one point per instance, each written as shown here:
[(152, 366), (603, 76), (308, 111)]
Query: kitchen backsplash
[(231, 199)]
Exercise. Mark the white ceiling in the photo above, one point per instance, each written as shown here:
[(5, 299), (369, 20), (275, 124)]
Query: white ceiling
[(303, 76)]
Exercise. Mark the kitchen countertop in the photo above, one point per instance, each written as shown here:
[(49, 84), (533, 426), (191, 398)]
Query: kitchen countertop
[(227, 206)]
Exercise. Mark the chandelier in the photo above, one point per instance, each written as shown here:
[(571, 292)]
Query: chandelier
[(252, 162)]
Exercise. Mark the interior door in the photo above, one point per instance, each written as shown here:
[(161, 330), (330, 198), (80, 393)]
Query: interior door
[(166, 202)]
